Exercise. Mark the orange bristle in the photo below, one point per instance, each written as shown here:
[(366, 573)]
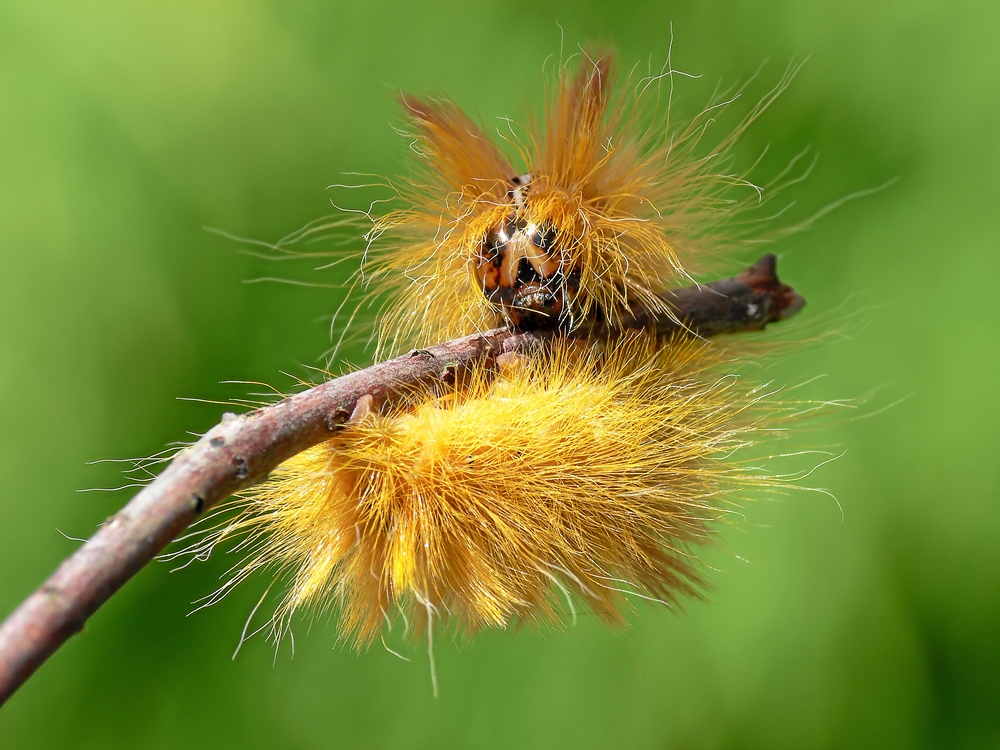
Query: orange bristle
[(599, 208)]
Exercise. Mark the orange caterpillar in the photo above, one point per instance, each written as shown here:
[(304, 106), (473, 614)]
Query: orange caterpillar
[(586, 473)]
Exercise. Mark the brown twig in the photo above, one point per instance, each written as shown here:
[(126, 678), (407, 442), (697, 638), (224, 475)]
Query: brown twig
[(242, 450)]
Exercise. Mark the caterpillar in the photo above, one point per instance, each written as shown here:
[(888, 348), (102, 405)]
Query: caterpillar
[(584, 474)]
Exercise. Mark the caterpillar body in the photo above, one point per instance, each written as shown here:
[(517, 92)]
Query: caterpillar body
[(586, 473)]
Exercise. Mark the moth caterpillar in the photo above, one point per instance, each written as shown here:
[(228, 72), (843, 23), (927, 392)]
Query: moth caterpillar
[(585, 473)]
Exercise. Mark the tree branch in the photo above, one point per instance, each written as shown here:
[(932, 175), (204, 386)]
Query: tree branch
[(242, 450)]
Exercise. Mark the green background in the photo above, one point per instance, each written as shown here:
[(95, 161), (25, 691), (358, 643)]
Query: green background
[(126, 127)]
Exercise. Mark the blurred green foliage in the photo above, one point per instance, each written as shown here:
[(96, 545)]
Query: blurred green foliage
[(127, 127)]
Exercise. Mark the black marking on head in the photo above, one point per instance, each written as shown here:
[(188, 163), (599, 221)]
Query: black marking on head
[(526, 272), (521, 183), (544, 237)]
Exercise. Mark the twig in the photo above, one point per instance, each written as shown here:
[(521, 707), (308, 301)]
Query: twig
[(242, 450)]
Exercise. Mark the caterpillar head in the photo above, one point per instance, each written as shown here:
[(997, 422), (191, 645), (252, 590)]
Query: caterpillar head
[(524, 263), (581, 218)]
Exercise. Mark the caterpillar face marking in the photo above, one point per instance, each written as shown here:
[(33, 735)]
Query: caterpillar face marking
[(522, 270)]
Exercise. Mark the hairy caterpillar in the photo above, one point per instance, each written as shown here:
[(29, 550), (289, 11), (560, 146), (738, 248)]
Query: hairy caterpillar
[(590, 470)]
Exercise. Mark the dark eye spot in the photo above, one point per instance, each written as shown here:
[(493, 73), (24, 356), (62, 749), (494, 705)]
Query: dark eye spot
[(544, 237), (525, 272)]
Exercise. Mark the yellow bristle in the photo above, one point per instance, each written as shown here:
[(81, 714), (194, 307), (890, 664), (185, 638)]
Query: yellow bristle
[(634, 203), (578, 476), (593, 469)]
